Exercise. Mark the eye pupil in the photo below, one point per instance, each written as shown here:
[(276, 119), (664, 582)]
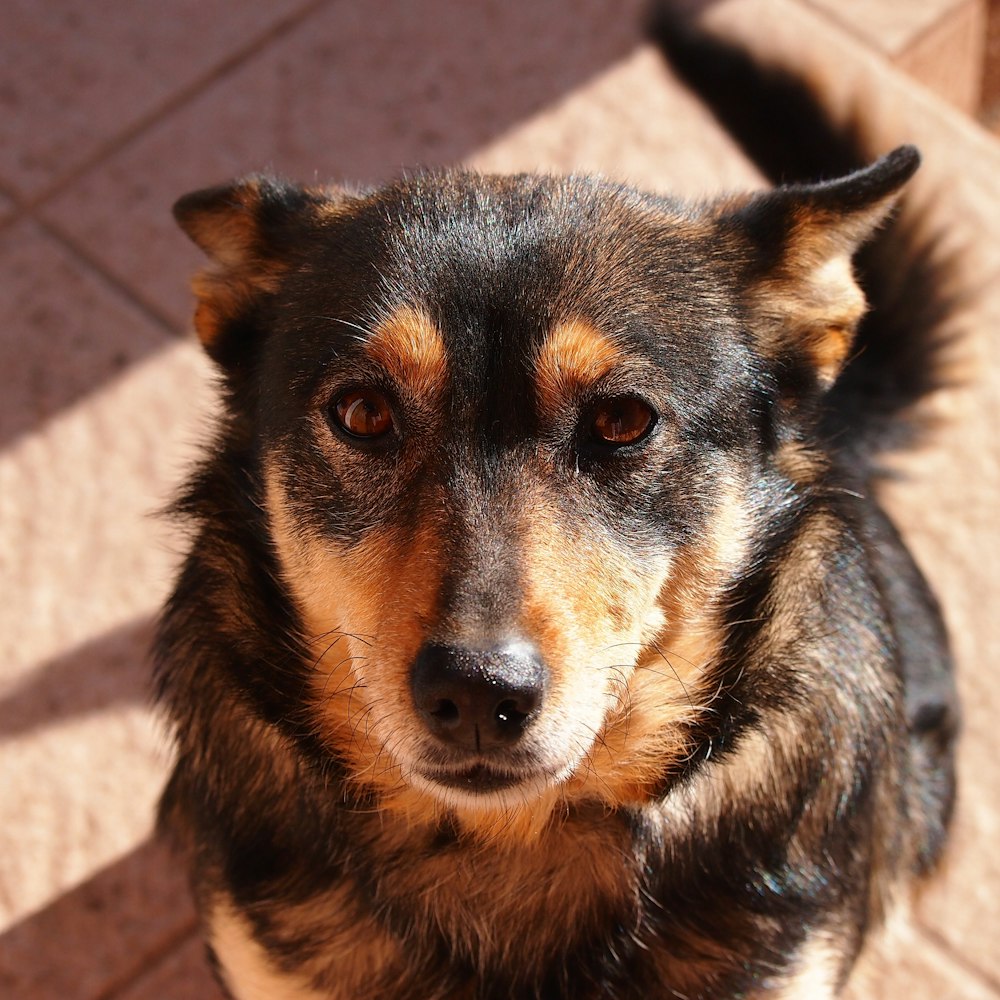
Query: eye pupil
[(363, 413), (621, 421)]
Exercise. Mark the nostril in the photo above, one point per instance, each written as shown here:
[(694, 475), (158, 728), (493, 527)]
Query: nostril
[(478, 699), (446, 712), (507, 713)]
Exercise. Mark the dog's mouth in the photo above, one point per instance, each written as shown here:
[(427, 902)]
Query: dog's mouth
[(478, 778), (481, 779)]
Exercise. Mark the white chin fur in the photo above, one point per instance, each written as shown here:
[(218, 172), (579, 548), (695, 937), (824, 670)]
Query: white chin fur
[(489, 800)]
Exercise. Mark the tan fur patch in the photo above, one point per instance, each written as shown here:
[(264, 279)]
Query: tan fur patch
[(238, 269), (363, 610), (248, 971), (626, 648), (587, 610), (222, 293), (817, 971), (477, 901), (409, 346), (642, 739), (631, 646), (354, 944), (815, 304), (574, 356)]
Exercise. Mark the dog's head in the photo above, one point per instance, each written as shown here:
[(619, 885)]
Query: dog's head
[(514, 438)]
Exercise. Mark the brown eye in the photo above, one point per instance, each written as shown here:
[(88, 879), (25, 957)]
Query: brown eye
[(363, 413), (622, 420)]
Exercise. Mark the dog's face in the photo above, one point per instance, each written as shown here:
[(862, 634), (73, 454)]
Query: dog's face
[(512, 437)]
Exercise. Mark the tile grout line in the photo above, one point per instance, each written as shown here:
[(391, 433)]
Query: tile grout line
[(110, 279), (16, 210), (985, 979), (171, 104), (890, 56), (16, 214)]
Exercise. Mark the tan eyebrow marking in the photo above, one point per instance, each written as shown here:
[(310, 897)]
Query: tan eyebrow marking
[(574, 356), (409, 346)]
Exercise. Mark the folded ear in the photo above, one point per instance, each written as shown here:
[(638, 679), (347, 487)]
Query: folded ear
[(248, 229), (803, 300)]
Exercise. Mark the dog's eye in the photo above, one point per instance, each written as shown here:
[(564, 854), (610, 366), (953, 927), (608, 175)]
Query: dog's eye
[(363, 413), (621, 420)]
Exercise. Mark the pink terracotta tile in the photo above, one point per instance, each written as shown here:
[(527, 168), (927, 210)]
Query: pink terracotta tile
[(635, 123), (949, 60), (102, 933), (65, 332), (886, 25), (81, 771), (949, 511), (911, 966), (181, 975), (96, 421), (347, 95), (76, 74)]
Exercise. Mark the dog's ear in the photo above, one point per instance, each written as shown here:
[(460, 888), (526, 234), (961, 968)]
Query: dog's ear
[(248, 229), (803, 301)]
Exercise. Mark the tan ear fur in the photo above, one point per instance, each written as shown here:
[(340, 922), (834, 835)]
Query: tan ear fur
[(248, 229), (225, 222), (808, 302), (812, 303)]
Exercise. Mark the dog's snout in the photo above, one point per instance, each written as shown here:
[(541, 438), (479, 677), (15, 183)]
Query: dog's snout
[(478, 699)]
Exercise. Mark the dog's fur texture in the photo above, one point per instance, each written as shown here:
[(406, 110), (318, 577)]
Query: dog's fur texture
[(592, 448)]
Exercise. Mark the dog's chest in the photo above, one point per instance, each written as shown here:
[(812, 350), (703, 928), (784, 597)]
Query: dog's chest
[(489, 902), (441, 915)]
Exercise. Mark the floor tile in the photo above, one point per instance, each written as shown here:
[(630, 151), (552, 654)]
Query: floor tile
[(182, 975), (89, 564), (346, 96), (91, 447), (886, 25), (66, 332), (673, 144), (77, 73), (917, 969), (98, 422), (948, 507), (102, 933)]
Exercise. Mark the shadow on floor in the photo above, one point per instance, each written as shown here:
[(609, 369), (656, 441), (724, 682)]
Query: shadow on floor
[(101, 935), (113, 669), (414, 84)]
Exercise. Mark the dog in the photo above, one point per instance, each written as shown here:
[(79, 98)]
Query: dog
[(540, 633)]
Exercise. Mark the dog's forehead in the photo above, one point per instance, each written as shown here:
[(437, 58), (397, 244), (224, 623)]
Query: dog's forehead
[(503, 290), (496, 266), (572, 355)]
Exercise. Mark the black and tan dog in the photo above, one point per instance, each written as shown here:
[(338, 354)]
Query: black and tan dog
[(539, 635)]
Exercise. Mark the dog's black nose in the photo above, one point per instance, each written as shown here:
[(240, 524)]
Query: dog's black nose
[(478, 699)]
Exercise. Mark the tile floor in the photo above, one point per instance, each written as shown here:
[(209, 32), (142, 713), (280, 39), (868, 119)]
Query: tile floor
[(108, 111)]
